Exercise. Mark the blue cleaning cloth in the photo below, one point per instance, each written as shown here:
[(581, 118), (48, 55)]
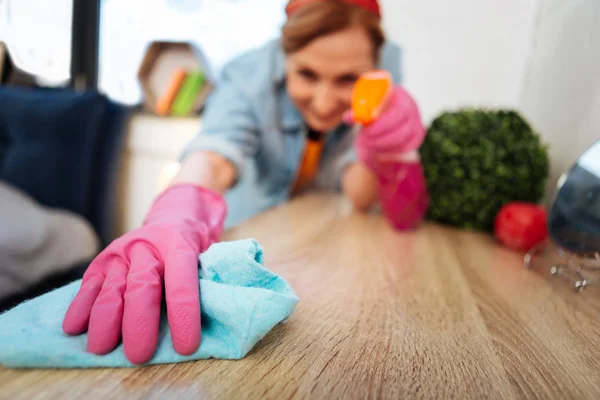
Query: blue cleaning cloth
[(241, 301)]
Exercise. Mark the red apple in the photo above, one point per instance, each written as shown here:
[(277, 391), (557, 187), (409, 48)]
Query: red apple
[(521, 225)]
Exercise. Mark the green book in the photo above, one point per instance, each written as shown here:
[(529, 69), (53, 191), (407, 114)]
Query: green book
[(188, 93)]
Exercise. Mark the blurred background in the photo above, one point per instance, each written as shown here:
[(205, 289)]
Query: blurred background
[(541, 57)]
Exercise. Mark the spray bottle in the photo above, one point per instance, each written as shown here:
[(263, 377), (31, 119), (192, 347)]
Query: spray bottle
[(401, 182)]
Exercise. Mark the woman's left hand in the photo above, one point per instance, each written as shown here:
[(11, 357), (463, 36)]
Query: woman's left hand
[(396, 134)]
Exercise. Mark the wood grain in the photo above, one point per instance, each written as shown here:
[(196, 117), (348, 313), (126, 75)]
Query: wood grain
[(435, 313)]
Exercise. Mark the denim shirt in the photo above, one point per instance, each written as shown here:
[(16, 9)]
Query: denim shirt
[(250, 120)]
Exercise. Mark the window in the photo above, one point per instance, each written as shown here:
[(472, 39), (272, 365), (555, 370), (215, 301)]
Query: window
[(222, 29), (38, 35)]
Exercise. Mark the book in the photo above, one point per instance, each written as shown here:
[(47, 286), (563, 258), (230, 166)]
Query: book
[(164, 103), (186, 97)]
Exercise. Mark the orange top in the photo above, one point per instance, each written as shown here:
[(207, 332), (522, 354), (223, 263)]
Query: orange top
[(309, 167)]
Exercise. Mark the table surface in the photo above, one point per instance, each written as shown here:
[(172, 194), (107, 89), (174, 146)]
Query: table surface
[(434, 313)]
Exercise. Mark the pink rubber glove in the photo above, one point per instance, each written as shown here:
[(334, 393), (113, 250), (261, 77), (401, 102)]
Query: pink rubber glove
[(396, 134), (121, 291), (389, 147)]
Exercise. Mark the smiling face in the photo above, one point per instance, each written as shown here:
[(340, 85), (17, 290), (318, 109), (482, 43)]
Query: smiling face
[(321, 75)]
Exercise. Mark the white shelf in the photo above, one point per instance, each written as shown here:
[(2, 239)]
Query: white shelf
[(152, 148), (155, 136)]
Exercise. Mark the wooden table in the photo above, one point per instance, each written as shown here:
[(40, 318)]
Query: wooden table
[(437, 313)]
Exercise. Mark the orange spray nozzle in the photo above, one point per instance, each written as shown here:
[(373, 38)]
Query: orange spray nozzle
[(370, 94)]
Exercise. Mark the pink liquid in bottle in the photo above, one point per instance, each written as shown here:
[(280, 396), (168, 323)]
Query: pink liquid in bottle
[(403, 193)]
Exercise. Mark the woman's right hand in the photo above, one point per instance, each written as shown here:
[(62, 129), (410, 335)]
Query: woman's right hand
[(121, 291)]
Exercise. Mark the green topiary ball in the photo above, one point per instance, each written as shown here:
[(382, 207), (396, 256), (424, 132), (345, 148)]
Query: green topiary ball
[(476, 161)]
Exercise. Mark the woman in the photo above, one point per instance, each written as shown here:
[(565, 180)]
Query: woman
[(274, 110)]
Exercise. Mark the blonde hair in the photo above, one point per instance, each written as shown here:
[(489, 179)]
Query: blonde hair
[(321, 18)]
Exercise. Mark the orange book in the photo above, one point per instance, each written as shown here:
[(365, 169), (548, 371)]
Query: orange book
[(163, 105)]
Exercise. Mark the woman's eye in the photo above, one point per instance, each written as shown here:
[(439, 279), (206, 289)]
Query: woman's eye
[(348, 79), (307, 74)]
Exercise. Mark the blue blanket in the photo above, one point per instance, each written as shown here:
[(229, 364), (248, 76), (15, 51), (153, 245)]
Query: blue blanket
[(241, 302)]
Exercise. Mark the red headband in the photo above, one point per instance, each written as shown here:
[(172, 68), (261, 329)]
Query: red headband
[(369, 5)]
